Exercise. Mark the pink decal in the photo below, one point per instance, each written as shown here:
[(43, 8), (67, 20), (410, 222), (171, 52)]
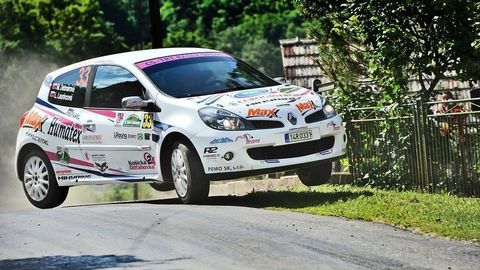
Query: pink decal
[(62, 119), (115, 170), (107, 113), (53, 156), (164, 59)]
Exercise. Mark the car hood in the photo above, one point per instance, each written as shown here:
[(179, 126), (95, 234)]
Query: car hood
[(265, 103)]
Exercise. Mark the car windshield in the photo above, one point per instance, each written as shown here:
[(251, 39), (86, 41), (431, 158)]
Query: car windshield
[(198, 74)]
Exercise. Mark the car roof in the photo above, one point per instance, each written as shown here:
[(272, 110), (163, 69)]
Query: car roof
[(130, 58)]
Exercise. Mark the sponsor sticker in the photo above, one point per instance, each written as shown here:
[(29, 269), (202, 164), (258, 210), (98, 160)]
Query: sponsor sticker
[(221, 140), (92, 139), (210, 150), (75, 177), (125, 136), (272, 161), (230, 168), (305, 107), (63, 171), (70, 132), (119, 119), (250, 93), (211, 156), (132, 121), (62, 155), (289, 89), (71, 113), (100, 161), (34, 120), (148, 163), (247, 139), (334, 125), (37, 138), (270, 113)]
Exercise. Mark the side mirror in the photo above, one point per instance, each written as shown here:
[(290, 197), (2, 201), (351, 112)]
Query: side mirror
[(135, 103), (281, 80)]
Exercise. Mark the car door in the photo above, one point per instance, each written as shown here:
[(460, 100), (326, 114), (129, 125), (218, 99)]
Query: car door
[(118, 141)]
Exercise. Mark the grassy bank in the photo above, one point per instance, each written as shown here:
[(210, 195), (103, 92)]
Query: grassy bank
[(439, 214)]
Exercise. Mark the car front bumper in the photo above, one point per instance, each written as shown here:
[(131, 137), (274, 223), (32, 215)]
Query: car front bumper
[(234, 152)]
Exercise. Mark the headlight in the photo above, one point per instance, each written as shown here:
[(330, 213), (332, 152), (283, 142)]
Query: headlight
[(328, 110), (222, 119)]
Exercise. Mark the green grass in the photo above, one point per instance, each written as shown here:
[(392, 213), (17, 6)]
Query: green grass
[(438, 214)]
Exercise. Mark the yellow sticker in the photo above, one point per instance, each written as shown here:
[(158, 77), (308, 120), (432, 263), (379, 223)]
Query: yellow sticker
[(147, 120)]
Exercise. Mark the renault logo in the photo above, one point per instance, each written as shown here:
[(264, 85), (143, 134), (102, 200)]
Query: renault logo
[(292, 119)]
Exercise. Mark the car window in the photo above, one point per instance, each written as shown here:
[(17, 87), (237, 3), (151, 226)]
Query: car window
[(111, 85), (199, 74), (69, 88)]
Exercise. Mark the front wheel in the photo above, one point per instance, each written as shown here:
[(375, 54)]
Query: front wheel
[(315, 176), (191, 184), (39, 183)]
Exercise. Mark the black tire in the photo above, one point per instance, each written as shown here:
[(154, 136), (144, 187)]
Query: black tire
[(55, 195), (197, 184), (162, 186), (315, 176)]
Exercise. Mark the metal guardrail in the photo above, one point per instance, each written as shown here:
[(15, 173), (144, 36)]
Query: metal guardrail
[(416, 148)]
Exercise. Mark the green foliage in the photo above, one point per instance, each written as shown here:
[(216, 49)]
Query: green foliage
[(59, 30), (389, 41), (248, 30), (68, 31), (130, 20), (440, 214), (124, 192)]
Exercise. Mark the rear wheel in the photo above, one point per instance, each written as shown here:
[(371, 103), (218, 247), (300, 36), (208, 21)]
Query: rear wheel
[(39, 183), (315, 176), (191, 184)]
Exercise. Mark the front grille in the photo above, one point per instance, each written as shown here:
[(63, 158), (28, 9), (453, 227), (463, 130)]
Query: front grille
[(315, 117), (291, 150), (266, 124)]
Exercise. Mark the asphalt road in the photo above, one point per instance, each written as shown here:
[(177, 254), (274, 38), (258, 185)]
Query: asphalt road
[(222, 235)]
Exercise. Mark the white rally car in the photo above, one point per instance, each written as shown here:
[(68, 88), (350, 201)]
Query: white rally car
[(176, 118)]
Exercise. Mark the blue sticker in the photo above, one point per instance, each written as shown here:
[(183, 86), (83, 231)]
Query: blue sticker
[(250, 93), (221, 140)]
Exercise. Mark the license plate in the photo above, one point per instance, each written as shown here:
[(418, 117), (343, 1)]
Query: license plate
[(299, 136)]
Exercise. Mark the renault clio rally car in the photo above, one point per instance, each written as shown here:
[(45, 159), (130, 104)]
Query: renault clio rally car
[(175, 118)]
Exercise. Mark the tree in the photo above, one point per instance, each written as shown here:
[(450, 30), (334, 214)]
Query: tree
[(60, 30), (249, 30), (155, 24), (390, 41)]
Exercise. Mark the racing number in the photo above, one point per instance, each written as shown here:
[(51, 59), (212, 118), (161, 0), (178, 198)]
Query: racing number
[(83, 74), (147, 120)]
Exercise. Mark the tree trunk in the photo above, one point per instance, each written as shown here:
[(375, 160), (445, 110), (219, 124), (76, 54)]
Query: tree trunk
[(155, 24)]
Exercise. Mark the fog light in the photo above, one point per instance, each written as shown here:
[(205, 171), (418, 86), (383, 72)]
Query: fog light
[(228, 156)]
